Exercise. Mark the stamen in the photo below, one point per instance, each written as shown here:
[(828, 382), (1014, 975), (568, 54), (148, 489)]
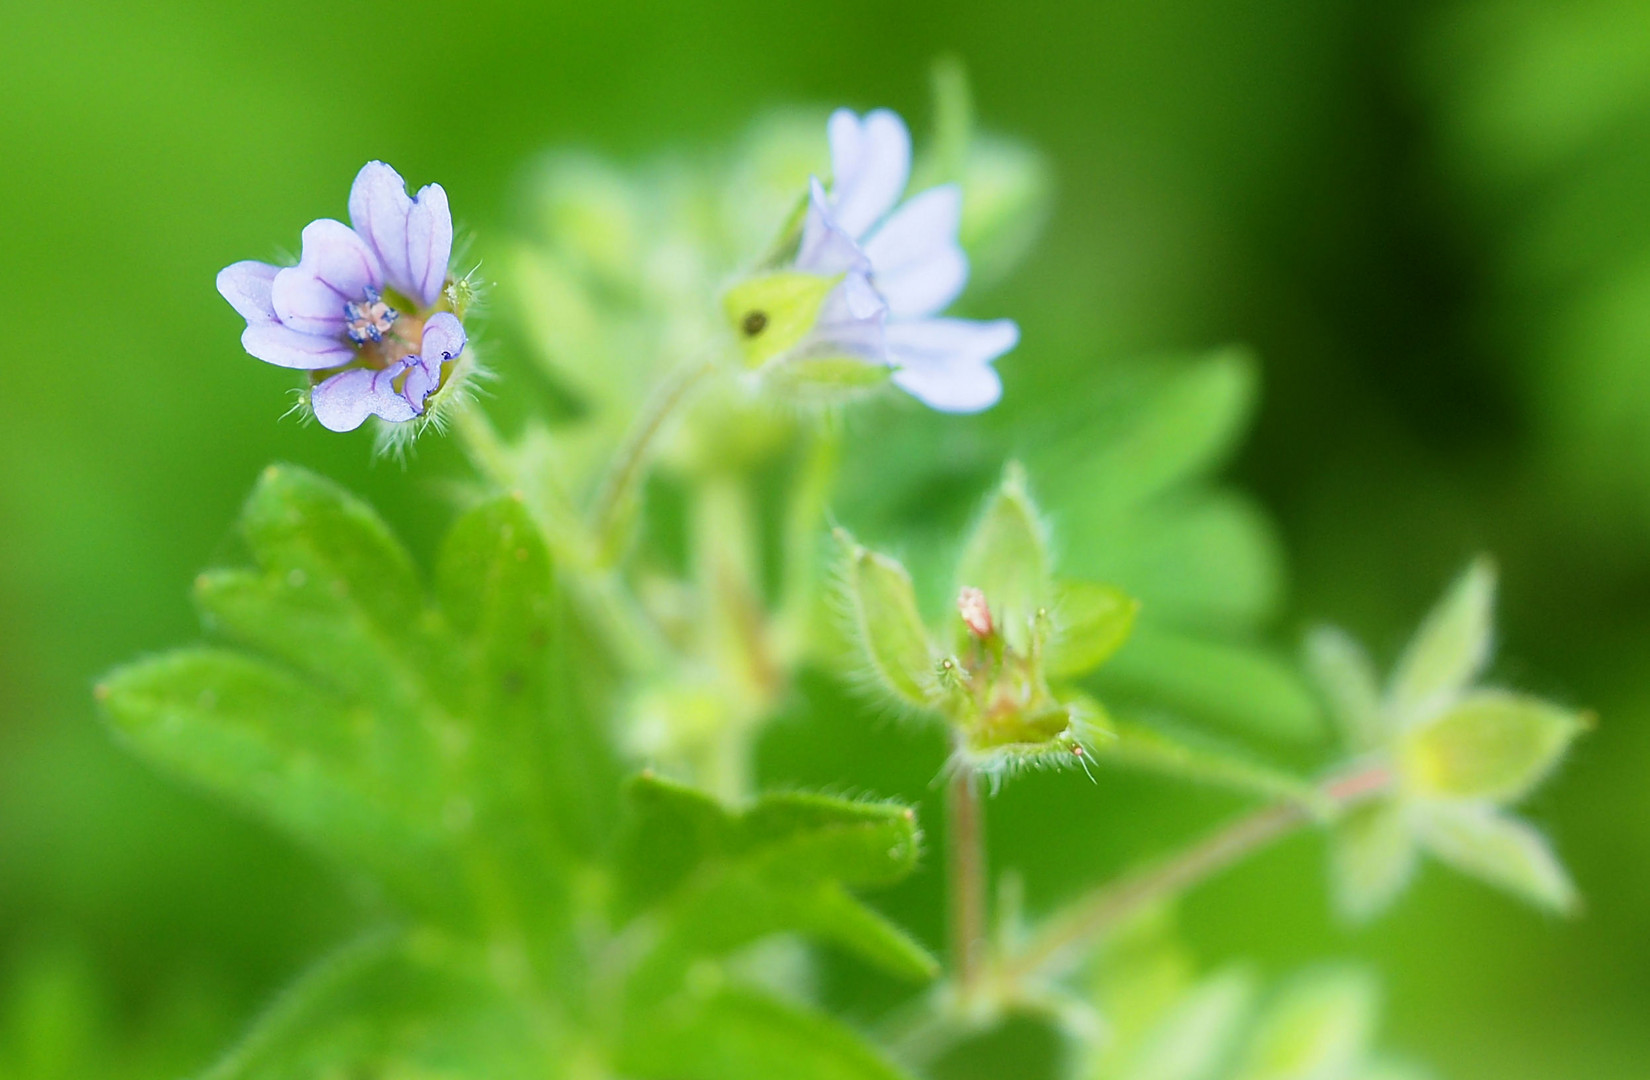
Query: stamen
[(371, 320)]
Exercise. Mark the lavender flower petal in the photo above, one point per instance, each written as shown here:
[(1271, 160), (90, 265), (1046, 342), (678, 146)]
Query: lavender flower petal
[(917, 264), (826, 248), (285, 347), (336, 268), (413, 237), (870, 164), (344, 402), (443, 339), (946, 363), (851, 321), (246, 286)]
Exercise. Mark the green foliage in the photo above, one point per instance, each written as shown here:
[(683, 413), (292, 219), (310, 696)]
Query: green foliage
[(1124, 459), (457, 754)]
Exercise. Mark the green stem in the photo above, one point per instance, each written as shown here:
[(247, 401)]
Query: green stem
[(805, 513), (1091, 916), (966, 871), (629, 466)]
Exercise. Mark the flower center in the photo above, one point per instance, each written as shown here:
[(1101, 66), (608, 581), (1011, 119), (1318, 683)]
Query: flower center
[(369, 319)]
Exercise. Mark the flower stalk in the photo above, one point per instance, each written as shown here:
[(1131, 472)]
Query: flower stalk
[(1090, 917), (966, 869)]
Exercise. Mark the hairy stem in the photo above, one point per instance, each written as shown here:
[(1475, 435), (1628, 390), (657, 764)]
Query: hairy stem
[(1091, 916), (629, 466), (965, 866)]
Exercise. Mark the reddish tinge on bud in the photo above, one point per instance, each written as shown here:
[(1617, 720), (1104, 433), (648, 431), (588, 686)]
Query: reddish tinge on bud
[(976, 614)]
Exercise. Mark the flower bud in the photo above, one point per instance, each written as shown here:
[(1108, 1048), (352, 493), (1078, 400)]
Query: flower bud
[(975, 612)]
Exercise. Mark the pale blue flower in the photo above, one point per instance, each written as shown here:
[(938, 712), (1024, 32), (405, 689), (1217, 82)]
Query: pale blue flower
[(361, 307), (900, 266)]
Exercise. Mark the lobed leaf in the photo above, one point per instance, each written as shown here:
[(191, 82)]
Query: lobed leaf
[(712, 880), (305, 759)]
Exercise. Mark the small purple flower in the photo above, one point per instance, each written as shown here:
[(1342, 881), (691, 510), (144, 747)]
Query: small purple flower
[(900, 268), (361, 309)]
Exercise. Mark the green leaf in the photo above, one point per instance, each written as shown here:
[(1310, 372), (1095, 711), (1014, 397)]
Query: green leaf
[(1506, 852), (1209, 560), (541, 766), (1372, 856), (1450, 649), (1347, 679), (889, 626), (731, 1034), (713, 880), (1318, 1028), (1197, 1036), (327, 772), (1169, 425), (444, 755), (1006, 557), (1091, 622), (1490, 745), (1238, 685), (772, 313), (334, 594), (379, 1008)]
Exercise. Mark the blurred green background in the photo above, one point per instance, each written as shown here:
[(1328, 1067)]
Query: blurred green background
[(1432, 221)]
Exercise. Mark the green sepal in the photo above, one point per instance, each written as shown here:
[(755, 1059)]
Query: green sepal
[(889, 628), (1372, 857), (1006, 556), (1346, 678), (1489, 745), (1451, 647), (772, 313), (1503, 851), (1091, 622)]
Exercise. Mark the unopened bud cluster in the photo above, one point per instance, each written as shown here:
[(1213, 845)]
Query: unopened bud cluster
[(1001, 681)]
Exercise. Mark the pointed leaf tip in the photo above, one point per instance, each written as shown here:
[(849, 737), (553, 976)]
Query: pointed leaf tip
[(1452, 646)]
